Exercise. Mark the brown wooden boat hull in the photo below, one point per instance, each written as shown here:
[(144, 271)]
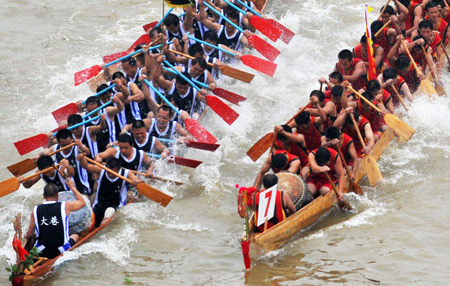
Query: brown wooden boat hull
[(273, 238)]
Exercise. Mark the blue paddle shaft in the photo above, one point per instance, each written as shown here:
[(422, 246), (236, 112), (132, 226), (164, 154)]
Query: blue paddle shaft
[(162, 97), (223, 17), (182, 75), (97, 109), (81, 123), (195, 81), (160, 22), (212, 46), (249, 8), (102, 92)]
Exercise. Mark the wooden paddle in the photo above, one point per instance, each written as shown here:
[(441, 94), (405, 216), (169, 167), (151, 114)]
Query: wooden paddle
[(286, 34), (425, 85), (159, 178), (342, 204), (226, 70), (439, 88), (245, 244), (369, 162), (225, 94), (264, 48), (148, 191), (179, 160), (260, 24), (194, 144), (382, 28), (384, 8), (199, 132), (401, 128), (32, 143), (27, 165), (355, 187), (217, 105), (399, 97), (267, 141), (13, 184), (255, 63)]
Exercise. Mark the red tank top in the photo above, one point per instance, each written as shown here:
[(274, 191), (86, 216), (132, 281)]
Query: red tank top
[(360, 82), (345, 146), (350, 131), (331, 165), (290, 158), (295, 150), (312, 135)]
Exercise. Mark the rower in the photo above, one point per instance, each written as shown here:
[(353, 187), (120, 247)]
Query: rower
[(146, 142), (49, 221), (283, 204), (414, 16), (345, 124), (129, 157), (132, 95), (310, 127), (132, 74), (352, 69), (325, 160), (360, 52), (381, 95), (278, 161), (439, 24), (64, 137), (321, 105), (87, 135), (182, 95), (175, 29), (389, 78), (227, 34), (79, 220), (111, 190), (293, 143), (334, 138), (433, 40)]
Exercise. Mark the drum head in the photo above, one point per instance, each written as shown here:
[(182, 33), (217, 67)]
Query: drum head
[(291, 184)]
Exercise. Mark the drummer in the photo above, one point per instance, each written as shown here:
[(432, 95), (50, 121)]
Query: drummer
[(284, 207)]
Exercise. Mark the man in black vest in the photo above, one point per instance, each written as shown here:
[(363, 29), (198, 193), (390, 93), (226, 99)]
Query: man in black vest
[(49, 221)]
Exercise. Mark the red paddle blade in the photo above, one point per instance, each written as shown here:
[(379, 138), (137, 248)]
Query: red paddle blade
[(266, 28), (86, 74), (223, 110), (228, 95), (259, 64), (202, 145), (32, 143), (142, 39), (263, 47), (286, 34), (246, 252), (113, 57), (63, 112), (149, 26), (186, 162), (199, 132)]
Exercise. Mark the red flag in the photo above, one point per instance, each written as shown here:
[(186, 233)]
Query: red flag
[(372, 72), (246, 252), (17, 245)]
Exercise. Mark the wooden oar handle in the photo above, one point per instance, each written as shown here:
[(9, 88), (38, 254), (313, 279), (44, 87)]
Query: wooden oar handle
[(399, 97), (107, 169), (384, 8), (332, 184), (63, 148), (357, 131), (363, 98), (158, 178), (411, 58), (382, 28), (429, 63), (300, 111), (42, 172), (338, 149)]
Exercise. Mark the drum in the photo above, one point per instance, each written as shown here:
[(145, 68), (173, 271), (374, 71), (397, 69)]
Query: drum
[(296, 188), (81, 219)]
